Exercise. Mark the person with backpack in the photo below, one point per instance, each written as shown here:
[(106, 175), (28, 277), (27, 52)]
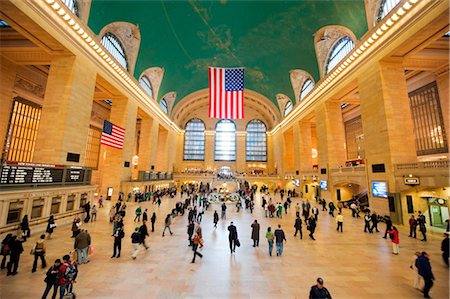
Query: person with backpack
[(6, 249), (393, 234), (135, 241), (138, 213), (68, 273), (39, 252), (119, 234), (51, 225), (51, 279)]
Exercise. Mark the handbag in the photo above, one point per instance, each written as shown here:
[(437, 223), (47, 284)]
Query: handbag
[(237, 242), (91, 249)]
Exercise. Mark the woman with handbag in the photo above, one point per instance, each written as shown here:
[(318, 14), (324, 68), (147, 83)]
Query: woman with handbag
[(25, 227), (39, 252), (50, 226)]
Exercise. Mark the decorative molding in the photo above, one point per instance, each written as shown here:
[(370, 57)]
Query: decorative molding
[(29, 86)]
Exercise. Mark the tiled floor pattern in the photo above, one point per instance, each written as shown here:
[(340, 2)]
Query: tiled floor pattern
[(353, 264)]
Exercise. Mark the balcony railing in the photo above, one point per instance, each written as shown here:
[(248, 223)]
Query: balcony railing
[(441, 164), (348, 169)]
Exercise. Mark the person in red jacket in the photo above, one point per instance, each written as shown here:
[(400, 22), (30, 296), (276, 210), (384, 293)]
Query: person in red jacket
[(393, 234), (67, 276)]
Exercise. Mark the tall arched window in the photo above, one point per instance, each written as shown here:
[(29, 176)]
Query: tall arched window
[(115, 48), (288, 108), (385, 7), (146, 85), (194, 140), (164, 106), (256, 145), (225, 141), (306, 88), (340, 49), (73, 6)]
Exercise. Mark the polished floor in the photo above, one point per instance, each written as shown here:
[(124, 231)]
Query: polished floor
[(353, 264)]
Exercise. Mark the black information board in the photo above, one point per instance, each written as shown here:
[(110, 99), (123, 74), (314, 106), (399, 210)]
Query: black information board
[(75, 175)]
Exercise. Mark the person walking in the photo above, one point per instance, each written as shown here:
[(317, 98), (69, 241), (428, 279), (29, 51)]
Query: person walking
[(255, 233), (76, 224), (393, 234), (167, 223), (315, 213), (232, 237), (145, 215), (270, 237), (417, 277), (421, 221), (51, 279), (195, 243), (143, 231), (190, 232), (332, 207), (51, 225), (318, 291), (25, 227), (138, 213), (412, 227), (82, 242), (6, 249), (339, 221), (424, 267), (135, 241), (216, 218), (39, 252), (298, 227), (374, 219), (94, 213), (279, 238), (153, 220), (388, 225), (367, 220), (445, 248), (311, 227), (68, 273), (119, 234), (224, 211), (100, 201), (16, 250)]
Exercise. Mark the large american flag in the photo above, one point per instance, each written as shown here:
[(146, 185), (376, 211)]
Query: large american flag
[(226, 93), (112, 135)]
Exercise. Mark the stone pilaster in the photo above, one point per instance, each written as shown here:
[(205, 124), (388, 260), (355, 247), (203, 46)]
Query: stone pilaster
[(241, 157), (305, 146), (8, 75)]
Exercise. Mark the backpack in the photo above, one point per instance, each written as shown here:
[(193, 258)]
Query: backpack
[(391, 235), (71, 272)]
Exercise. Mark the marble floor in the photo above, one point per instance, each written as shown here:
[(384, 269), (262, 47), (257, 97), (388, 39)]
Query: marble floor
[(353, 264)]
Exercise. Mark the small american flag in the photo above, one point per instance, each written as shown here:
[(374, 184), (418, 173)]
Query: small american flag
[(226, 93), (112, 135)]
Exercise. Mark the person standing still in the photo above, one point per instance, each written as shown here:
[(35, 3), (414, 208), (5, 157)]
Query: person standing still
[(421, 221), (119, 234), (393, 234), (51, 279), (388, 226), (25, 227), (153, 220), (374, 219), (51, 225), (190, 232), (224, 211), (138, 213), (279, 238), (255, 233), (298, 227), (412, 227), (16, 250), (270, 237), (82, 242), (339, 221), (216, 218), (232, 237)]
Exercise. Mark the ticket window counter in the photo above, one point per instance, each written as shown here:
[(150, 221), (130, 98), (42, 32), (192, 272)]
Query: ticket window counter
[(438, 212), (70, 202), (38, 208), (56, 205), (14, 212)]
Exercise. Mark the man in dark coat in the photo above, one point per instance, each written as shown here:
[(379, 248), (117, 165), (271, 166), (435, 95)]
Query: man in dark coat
[(311, 226), (190, 232), (232, 237), (318, 291), (445, 248), (16, 250), (374, 218), (424, 268), (298, 227), (143, 231), (255, 233), (388, 225)]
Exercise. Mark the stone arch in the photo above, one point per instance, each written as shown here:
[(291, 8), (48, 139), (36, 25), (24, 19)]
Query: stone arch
[(170, 98), (298, 78), (324, 40), (130, 38), (283, 100), (155, 75)]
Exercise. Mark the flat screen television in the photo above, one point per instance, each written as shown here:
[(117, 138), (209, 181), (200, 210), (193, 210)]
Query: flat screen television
[(323, 185), (379, 189)]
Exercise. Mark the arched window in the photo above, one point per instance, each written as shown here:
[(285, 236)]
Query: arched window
[(256, 145), (306, 88), (146, 85), (194, 140), (288, 108), (385, 7), (340, 49), (73, 6), (225, 141), (163, 105), (115, 48)]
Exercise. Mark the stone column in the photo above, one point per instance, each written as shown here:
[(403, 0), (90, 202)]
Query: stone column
[(123, 114), (305, 146), (162, 148), (8, 76), (296, 145), (330, 135), (147, 143), (387, 123), (66, 113)]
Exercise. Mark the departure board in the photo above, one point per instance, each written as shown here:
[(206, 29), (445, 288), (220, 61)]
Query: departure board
[(75, 175), (28, 173)]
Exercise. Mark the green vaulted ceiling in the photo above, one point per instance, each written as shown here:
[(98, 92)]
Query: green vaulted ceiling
[(268, 38)]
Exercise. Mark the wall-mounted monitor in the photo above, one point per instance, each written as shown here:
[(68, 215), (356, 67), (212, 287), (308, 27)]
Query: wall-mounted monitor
[(323, 185), (379, 189)]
